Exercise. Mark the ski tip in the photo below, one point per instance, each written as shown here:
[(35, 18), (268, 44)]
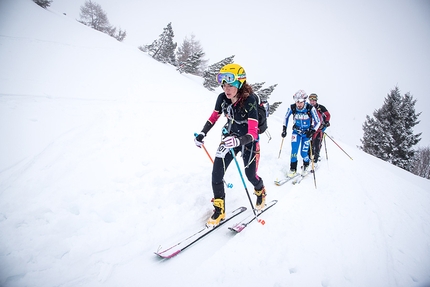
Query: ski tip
[(237, 228), (168, 255), (240, 209)]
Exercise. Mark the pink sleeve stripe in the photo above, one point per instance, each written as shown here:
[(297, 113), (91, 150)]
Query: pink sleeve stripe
[(214, 117), (253, 128)]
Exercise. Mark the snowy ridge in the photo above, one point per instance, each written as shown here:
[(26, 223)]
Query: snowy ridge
[(98, 168)]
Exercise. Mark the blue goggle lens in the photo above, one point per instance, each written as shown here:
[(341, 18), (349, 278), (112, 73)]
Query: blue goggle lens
[(226, 78)]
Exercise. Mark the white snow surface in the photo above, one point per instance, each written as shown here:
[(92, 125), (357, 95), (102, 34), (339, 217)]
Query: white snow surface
[(98, 168)]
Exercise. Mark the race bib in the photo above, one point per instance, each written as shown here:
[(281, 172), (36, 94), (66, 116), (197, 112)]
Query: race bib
[(222, 151), (293, 138)]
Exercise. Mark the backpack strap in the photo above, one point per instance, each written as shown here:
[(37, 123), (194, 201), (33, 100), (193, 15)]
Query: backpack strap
[(293, 109), (308, 110), (257, 98)]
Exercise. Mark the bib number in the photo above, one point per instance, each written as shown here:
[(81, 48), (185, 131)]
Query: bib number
[(222, 151)]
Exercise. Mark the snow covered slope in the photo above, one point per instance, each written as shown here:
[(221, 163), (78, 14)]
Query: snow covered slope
[(98, 169)]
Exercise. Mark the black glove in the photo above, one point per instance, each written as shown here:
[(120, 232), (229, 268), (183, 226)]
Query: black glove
[(198, 140), (200, 137), (327, 124), (284, 131), (309, 133)]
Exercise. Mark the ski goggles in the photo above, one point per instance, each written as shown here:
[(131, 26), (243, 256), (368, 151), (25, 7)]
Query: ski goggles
[(312, 98), (230, 78)]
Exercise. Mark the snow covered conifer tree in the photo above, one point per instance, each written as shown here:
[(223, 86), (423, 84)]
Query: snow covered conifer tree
[(167, 53), (163, 49), (372, 139), (190, 57), (389, 135), (264, 95), (421, 166), (92, 15), (43, 3), (191, 64)]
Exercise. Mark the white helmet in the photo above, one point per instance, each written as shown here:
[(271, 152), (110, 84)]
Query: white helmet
[(300, 96)]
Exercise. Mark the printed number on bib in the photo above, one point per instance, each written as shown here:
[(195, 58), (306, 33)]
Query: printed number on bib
[(222, 151)]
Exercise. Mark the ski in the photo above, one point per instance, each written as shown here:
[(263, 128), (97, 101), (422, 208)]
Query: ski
[(190, 240), (299, 179), (238, 227), (285, 180)]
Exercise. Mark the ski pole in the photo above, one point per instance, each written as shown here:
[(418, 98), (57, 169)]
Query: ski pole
[(229, 185), (244, 184), (268, 135), (243, 181), (282, 142), (325, 147), (337, 145), (312, 159)]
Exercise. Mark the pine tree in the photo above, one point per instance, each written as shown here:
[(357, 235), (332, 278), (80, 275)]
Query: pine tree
[(209, 75), (190, 57), (389, 135), (421, 165), (192, 64), (43, 3), (406, 138), (120, 36), (92, 15), (273, 107), (264, 95), (257, 86), (163, 49), (184, 51), (372, 140)]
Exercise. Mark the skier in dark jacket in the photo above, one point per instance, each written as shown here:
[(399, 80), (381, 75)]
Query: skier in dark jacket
[(240, 133), (324, 116), (303, 115)]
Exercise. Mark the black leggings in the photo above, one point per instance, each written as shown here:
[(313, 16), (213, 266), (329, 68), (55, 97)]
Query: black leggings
[(221, 164)]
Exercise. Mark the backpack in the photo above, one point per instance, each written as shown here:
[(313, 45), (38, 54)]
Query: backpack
[(262, 110), (321, 113), (263, 113)]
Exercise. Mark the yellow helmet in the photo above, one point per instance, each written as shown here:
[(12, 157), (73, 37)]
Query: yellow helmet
[(232, 74)]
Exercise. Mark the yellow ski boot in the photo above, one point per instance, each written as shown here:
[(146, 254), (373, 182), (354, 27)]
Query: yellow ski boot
[(261, 198), (219, 213)]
